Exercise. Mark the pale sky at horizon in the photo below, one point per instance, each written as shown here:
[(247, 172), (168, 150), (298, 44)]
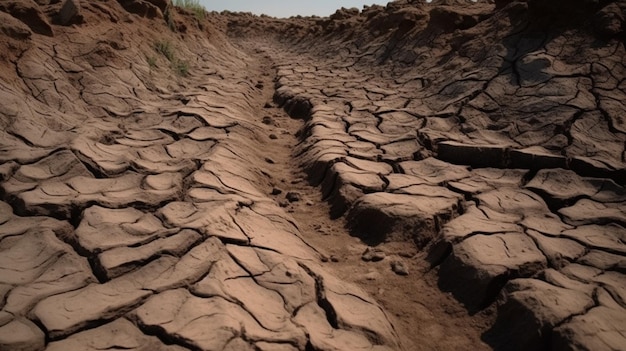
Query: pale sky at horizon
[(283, 8)]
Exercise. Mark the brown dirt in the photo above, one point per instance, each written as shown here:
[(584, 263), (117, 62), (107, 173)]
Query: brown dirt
[(425, 317), (481, 146)]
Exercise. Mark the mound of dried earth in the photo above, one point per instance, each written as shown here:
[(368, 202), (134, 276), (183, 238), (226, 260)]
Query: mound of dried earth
[(148, 198)]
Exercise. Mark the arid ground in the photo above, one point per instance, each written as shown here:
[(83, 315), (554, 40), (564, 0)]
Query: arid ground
[(416, 176)]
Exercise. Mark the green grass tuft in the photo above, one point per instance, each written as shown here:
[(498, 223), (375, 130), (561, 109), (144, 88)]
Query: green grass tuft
[(165, 48), (151, 61), (193, 6), (181, 68)]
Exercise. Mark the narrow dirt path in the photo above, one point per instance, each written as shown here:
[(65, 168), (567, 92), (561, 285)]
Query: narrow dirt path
[(145, 220), (425, 317)]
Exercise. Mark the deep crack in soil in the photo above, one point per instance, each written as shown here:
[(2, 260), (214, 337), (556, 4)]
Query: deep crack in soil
[(424, 317)]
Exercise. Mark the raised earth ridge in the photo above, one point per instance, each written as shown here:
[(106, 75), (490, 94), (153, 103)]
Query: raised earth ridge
[(445, 175)]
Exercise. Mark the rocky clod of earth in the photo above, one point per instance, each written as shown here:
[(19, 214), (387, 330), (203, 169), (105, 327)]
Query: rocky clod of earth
[(138, 210)]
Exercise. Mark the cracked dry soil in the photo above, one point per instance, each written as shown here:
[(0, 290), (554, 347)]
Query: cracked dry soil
[(420, 319), (415, 176)]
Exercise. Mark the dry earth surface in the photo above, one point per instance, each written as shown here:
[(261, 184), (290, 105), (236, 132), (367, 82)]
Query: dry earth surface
[(417, 176)]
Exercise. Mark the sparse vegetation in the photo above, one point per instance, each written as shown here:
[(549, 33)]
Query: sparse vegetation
[(166, 49), (151, 61), (181, 68), (193, 6), (169, 18)]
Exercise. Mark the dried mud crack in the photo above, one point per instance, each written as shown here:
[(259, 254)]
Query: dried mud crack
[(421, 320), (418, 176)]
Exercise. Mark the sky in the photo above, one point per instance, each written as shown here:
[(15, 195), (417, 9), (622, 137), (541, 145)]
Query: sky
[(282, 8)]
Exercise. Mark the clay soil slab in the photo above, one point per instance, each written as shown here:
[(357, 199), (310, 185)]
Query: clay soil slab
[(379, 217), (120, 334), (481, 264)]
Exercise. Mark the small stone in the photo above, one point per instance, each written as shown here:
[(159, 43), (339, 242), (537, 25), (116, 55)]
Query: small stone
[(273, 136), (310, 203), (28, 13), (324, 258), (269, 160), (161, 4), (334, 258), (399, 267), (259, 85), (406, 254), (293, 196), (8, 169), (15, 29), (267, 120), (70, 13), (142, 9), (276, 191), (283, 204), (372, 276), (268, 105), (373, 255)]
